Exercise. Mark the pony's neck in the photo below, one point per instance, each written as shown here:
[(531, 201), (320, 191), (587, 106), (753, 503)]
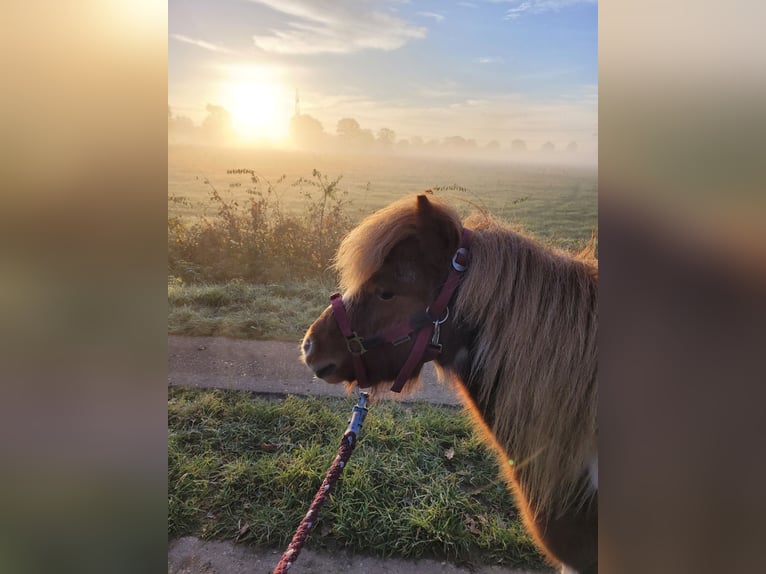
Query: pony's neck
[(457, 365), (533, 349)]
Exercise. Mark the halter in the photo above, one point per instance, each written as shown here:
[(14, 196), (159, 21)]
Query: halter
[(424, 326)]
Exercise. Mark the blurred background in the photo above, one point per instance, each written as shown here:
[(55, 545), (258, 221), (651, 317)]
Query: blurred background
[(84, 271)]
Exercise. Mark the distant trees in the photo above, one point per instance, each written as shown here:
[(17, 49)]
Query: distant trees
[(306, 131), (348, 128), (216, 127), (386, 137), (351, 136), (459, 143), (182, 128), (518, 145)]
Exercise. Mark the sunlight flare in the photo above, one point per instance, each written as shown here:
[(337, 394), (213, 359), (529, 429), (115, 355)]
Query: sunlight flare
[(259, 105)]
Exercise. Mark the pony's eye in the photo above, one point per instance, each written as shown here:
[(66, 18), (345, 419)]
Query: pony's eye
[(386, 295)]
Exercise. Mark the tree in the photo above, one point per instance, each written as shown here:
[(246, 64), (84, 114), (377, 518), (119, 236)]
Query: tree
[(455, 142), (548, 147), (572, 147), (386, 137), (518, 145), (307, 131), (352, 137), (180, 128), (365, 139), (348, 128), (216, 126)]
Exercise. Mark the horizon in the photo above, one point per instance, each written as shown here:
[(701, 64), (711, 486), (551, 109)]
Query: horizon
[(406, 73)]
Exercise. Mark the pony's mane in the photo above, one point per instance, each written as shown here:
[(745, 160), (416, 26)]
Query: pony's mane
[(364, 249), (535, 357)]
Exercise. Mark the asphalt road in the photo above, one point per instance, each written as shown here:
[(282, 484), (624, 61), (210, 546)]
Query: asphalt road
[(270, 367)]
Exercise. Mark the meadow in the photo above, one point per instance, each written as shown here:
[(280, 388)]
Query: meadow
[(556, 203), (251, 235)]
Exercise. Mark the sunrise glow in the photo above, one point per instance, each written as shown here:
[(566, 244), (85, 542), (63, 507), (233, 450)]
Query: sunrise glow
[(259, 107)]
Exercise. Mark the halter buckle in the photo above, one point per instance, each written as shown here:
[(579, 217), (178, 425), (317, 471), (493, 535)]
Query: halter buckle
[(355, 344)]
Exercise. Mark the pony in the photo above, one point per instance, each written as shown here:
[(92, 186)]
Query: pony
[(510, 323)]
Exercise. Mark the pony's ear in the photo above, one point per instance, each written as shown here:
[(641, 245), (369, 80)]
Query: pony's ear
[(424, 206), (436, 231)]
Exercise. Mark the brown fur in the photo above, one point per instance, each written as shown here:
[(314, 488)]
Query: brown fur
[(520, 344), (535, 357)]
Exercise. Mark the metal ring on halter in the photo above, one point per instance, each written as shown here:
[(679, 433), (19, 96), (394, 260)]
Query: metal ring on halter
[(354, 338), (439, 321), (458, 267)]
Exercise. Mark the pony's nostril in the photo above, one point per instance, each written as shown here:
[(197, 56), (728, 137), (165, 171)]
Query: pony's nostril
[(324, 371), (307, 345)]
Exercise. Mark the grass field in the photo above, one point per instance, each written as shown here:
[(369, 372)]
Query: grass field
[(280, 312), (557, 204), (420, 483), (278, 298)]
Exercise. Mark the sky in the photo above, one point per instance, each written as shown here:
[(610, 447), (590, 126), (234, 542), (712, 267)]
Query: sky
[(484, 70)]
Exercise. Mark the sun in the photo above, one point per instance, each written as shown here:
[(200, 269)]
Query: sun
[(258, 109)]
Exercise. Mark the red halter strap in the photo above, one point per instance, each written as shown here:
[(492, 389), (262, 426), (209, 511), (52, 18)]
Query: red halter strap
[(424, 326), (354, 343)]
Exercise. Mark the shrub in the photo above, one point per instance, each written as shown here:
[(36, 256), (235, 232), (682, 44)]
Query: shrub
[(256, 239)]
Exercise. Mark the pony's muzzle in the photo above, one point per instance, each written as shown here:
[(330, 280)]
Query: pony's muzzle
[(321, 368), (325, 371), (307, 347)]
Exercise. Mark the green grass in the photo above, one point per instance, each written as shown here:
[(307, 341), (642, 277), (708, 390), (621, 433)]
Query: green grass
[(246, 468), (240, 310)]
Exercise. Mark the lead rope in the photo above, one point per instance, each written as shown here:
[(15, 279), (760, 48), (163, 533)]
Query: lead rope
[(345, 449)]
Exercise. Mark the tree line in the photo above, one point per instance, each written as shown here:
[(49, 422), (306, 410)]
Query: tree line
[(308, 133)]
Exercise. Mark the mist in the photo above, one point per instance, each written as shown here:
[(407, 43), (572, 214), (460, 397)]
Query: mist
[(349, 137)]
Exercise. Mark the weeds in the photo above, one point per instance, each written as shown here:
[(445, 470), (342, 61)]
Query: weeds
[(254, 238)]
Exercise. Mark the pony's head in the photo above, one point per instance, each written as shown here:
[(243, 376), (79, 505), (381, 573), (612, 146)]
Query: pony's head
[(391, 267)]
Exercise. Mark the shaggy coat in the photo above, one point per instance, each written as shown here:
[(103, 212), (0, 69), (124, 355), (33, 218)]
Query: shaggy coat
[(519, 346)]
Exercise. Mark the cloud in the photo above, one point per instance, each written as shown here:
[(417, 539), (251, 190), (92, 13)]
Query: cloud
[(516, 12), (202, 44), (487, 60), (334, 26), (434, 15), (537, 6)]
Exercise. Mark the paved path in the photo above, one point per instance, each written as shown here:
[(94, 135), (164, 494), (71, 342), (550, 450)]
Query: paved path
[(267, 367), (189, 555)]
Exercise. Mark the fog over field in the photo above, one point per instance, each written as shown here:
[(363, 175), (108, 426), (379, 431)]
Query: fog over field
[(555, 201), (494, 104)]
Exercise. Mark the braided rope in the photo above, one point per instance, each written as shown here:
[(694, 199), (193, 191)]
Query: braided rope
[(347, 445)]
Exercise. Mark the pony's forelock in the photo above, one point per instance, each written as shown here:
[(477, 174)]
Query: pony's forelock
[(363, 251)]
